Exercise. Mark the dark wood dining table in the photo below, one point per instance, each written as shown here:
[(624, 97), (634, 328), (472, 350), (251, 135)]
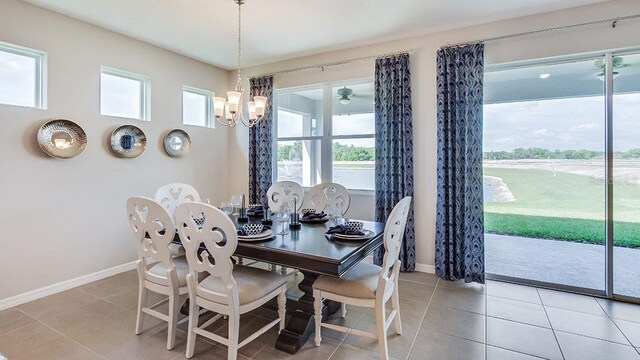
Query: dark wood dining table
[(314, 253)]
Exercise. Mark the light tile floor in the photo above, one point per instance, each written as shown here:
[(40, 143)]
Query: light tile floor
[(441, 320)]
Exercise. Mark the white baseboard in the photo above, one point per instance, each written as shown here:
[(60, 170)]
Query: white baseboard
[(430, 269), (64, 285)]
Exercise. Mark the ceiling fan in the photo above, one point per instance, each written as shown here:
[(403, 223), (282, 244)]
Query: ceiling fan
[(345, 95), (617, 63)]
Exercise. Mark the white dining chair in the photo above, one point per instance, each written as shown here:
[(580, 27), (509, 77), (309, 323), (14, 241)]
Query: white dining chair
[(283, 192), (172, 195), (158, 271), (280, 193), (368, 285), (328, 197), (228, 290)]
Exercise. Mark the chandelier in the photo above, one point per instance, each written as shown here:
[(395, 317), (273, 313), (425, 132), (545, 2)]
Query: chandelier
[(229, 112)]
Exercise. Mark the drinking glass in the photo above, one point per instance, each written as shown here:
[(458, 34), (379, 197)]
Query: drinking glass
[(226, 207), (338, 214), (284, 215), (236, 201)]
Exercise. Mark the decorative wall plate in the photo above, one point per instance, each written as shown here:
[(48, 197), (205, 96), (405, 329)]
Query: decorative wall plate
[(128, 141), (62, 139), (177, 143)]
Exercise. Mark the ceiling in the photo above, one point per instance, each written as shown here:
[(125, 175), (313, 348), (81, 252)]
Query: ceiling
[(276, 30), (568, 79)]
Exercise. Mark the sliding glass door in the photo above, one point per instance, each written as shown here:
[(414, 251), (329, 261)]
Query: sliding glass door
[(626, 174), (562, 174), (544, 154)]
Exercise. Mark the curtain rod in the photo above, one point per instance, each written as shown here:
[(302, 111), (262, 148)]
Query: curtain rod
[(337, 63), (613, 21)]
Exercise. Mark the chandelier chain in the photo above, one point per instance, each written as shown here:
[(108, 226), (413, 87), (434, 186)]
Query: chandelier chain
[(239, 39)]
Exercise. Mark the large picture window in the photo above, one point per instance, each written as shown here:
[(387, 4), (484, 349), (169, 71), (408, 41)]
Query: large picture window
[(326, 133)]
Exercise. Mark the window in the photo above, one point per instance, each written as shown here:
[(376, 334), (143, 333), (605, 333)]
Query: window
[(22, 76), (124, 94), (323, 136), (196, 107)]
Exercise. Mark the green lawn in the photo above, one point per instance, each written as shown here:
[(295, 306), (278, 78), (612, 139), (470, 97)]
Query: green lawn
[(579, 230), (564, 207)]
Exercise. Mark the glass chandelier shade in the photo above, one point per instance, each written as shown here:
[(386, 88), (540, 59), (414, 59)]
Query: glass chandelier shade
[(229, 111)]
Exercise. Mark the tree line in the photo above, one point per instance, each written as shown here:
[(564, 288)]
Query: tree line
[(541, 153), (341, 152)]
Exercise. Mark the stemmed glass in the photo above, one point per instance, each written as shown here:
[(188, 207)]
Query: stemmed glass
[(338, 214), (236, 201), (284, 216), (226, 207)]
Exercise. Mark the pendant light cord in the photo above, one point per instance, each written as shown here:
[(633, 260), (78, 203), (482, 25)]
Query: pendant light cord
[(239, 42)]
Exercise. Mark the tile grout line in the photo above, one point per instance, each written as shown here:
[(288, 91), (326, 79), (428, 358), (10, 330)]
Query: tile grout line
[(616, 325), (72, 340), (517, 352), (105, 300), (550, 324), (518, 322), (345, 337), (486, 320), (23, 326), (423, 317)]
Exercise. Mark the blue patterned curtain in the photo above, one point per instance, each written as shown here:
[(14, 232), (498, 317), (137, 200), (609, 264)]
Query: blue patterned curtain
[(394, 148), (260, 143), (459, 214)]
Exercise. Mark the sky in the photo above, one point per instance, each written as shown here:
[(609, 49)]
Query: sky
[(18, 79), (561, 124)]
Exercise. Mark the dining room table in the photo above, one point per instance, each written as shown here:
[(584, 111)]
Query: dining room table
[(313, 252)]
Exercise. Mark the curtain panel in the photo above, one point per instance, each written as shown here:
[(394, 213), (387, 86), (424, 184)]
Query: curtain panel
[(459, 213), (394, 148), (261, 143)]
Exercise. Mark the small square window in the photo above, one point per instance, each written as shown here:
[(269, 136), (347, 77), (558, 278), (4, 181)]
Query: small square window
[(196, 107), (22, 80), (124, 94)]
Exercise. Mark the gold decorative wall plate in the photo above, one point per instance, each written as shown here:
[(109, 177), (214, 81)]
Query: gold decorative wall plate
[(62, 139)]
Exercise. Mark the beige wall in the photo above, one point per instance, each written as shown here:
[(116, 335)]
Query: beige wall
[(423, 71), (61, 219)]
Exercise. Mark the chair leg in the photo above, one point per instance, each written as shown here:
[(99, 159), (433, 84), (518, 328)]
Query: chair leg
[(283, 271), (234, 334), (273, 268), (194, 314), (317, 305), (282, 303), (395, 302), (343, 310), (174, 310), (382, 335), (142, 302)]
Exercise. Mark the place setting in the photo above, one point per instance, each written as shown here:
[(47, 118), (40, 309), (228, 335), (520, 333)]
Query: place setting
[(350, 231), (310, 216), (255, 232)]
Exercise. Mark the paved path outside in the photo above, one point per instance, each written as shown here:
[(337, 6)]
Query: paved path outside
[(562, 262)]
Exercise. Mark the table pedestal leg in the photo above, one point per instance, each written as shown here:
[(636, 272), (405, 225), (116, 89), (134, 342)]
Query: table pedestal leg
[(301, 324)]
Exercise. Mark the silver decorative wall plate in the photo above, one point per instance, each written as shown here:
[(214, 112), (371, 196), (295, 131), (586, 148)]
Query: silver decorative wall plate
[(62, 139), (177, 143), (128, 141)]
